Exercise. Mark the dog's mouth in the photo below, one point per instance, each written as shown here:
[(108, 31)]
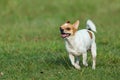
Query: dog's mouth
[(64, 35)]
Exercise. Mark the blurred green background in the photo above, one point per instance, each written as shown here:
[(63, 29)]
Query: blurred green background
[(31, 47)]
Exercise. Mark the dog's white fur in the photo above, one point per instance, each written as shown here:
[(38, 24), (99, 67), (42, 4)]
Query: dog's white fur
[(80, 43)]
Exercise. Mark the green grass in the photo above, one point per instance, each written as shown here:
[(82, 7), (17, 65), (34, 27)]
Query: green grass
[(31, 47)]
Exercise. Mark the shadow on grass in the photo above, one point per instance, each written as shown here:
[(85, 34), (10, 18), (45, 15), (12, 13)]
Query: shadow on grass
[(59, 61)]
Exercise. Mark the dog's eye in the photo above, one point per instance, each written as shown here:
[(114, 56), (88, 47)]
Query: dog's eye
[(68, 29)]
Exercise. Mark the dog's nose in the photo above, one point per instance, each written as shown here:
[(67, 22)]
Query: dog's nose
[(61, 30)]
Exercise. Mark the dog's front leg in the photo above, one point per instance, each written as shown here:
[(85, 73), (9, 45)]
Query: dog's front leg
[(72, 59)]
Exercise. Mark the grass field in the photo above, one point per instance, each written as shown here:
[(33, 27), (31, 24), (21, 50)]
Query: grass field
[(31, 47)]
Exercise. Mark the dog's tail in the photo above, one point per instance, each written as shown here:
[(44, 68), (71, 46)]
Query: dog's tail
[(90, 25)]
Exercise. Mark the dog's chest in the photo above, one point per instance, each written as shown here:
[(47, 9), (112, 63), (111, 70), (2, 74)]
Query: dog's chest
[(72, 47)]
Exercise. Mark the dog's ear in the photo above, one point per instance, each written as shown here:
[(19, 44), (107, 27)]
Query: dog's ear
[(76, 24), (67, 21)]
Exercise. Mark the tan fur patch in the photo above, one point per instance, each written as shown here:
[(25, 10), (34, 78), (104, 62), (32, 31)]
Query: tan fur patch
[(74, 30), (90, 34)]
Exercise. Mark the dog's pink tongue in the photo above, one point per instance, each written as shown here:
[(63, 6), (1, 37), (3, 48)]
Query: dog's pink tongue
[(63, 35)]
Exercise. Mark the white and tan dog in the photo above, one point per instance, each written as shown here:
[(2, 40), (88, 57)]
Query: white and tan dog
[(78, 42)]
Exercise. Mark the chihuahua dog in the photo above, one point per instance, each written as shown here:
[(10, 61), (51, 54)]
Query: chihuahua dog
[(78, 42)]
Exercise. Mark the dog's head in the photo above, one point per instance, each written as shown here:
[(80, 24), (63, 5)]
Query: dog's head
[(68, 29)]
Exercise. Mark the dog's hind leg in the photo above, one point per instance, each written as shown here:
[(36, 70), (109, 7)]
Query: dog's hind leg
[(94, 54), (85, 59), (77, 60)]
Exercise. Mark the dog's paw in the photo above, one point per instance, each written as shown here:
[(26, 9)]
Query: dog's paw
[(93, 67), (77, 66), (85, 64)]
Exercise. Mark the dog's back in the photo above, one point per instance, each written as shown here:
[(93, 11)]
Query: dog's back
[(84, 39)]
